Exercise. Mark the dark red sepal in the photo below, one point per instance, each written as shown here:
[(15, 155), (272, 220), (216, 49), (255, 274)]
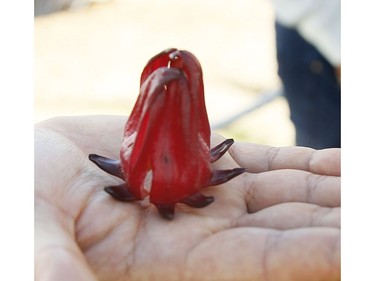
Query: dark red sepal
[(218, 151), (111, 166), (166, 210), (198, 200), (120, 192), (221, 176)]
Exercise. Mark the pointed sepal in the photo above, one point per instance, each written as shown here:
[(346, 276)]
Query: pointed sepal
[(108, 165), (166, 210), (221, 176), (218, 151), (198, 200), (120, 192)]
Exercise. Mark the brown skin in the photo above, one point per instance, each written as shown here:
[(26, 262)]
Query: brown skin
[(338, 74), (279, 222)]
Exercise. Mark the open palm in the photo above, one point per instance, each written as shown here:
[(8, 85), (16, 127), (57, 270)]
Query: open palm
[(280, 221)]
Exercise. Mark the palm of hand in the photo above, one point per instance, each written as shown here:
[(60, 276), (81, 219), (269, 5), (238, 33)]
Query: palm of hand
[(276, 225)]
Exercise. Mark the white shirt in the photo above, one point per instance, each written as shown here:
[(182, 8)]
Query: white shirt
[(318, 21)]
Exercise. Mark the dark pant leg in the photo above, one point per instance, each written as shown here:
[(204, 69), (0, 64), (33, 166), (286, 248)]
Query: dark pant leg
[(311, 89)]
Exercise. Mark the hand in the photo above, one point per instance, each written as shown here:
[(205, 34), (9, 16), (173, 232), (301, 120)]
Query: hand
[(281, 221)]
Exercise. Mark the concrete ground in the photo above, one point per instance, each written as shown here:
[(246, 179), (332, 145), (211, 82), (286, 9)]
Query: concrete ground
[(88, 60)]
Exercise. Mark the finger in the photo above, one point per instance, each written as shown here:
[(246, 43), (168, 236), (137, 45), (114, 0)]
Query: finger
[(260, 158), (275, 187), (57, 257), (259, 254), (291, 215)]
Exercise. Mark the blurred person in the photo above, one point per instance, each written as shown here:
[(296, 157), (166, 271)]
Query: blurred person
[(309, 64)]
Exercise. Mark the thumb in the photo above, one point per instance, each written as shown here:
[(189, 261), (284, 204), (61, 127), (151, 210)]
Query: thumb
[(57, 255)]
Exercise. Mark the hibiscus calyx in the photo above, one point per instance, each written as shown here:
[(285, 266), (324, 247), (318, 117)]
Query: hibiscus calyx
[(166, 151)]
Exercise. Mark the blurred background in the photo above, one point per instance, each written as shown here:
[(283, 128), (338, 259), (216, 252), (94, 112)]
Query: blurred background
[(89, 56)]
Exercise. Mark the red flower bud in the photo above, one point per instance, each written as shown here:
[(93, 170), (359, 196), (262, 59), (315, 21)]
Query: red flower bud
[(166, 149)]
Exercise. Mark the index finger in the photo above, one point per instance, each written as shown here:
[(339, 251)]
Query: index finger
[(261, 158)]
